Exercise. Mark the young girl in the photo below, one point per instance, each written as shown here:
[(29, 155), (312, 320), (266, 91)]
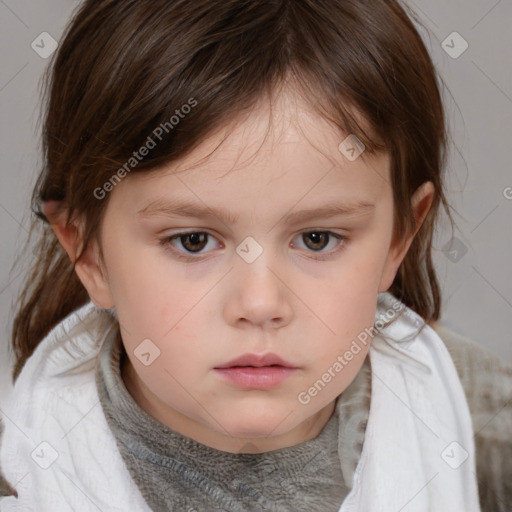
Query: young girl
[(234, 303)]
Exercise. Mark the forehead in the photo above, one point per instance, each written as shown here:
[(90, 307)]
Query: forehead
[(267, 130), (283, 152)]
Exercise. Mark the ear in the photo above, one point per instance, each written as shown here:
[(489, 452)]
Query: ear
[(88, 268), (421, 203)]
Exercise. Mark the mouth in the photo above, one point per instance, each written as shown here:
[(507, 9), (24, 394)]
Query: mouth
[(252, 371)]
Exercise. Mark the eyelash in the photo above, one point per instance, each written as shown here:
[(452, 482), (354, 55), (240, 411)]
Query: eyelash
[(167, 243)]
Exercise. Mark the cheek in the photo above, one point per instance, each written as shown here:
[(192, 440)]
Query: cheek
[(178, 357), (156, 300), (346, 304), (144, 283), (351, 291)]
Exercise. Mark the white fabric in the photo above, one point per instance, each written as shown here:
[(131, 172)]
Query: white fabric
[(55, 400), (418, 408), (419, 427)]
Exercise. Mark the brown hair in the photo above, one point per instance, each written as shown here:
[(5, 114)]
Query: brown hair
[(123, 67)]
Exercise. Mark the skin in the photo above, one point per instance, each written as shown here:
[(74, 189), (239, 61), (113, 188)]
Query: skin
[(206, 312)]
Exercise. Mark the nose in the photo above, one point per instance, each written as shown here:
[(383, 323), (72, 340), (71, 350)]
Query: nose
[(258, 294)]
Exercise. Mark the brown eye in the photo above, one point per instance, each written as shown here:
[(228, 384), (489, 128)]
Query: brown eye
[(316, 240), (189, 246), (321, 245), (194, 242)]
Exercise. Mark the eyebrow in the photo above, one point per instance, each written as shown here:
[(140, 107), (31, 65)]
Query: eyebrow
[(182, 208)]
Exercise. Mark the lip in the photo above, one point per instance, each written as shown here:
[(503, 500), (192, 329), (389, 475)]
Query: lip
[(257, 361), (253, 371)]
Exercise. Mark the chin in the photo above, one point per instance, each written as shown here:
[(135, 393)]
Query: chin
[(260, 423)]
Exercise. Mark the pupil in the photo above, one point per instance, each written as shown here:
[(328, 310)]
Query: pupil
[(195, 238), (318, 239)]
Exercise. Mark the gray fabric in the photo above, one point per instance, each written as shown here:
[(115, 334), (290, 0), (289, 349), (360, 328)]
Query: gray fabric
[(487, 383), (176, 473)]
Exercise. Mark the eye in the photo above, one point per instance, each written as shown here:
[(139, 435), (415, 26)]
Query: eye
[(316, 241), (193, 243)]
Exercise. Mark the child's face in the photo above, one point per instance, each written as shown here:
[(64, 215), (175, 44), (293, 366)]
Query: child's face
[(304, 298)]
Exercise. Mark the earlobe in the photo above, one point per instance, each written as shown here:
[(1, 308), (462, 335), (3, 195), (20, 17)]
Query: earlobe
[(88, 268), (421, 203)]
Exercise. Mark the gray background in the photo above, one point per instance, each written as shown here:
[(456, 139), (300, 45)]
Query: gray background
[(477, 284)]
